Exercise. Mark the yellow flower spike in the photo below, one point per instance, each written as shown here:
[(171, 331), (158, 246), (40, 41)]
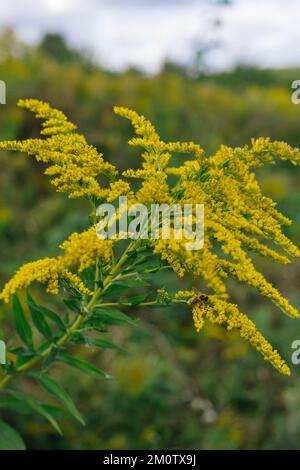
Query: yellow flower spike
[(221, 312), (45, 271), (141, 125), (81, 250), (74, 164), (198, 316)]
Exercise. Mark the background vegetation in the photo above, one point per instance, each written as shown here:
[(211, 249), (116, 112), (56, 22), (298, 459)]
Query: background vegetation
[(172, 388)]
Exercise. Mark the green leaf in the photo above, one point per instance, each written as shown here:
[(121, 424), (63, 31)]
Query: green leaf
[(93, 323), (142, 260), (134, 282), (55, 389), (178, 193), (69, 287), (53, 316), (22, 325), (89, 277), (102, 343), (78, 338), (115, 289), (111, 315), (38, 318), (37, 407), (84, 366), (21, 352), (152, 269), (18, 405), (137, 299), (13, 403), (125, 284), (73, 305), (146, 250), (56, 411), (48, 361), (145, 264), (67, 317), (9, 438), (203, 174), (21, 360)]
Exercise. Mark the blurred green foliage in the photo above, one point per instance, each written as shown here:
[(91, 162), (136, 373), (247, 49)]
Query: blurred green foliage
[(172, 388)]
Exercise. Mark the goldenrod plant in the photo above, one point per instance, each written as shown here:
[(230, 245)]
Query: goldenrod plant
[(88, 272)]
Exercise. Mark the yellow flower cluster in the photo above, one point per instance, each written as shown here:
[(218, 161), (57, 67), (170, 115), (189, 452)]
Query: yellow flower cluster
[(238, 219), (224, 313), (47, 271), (265, 150), (118, 188), (170, 250), (44, 270), (81, 250), (163, 296), (215, 310), (74, 165), (154, 188)]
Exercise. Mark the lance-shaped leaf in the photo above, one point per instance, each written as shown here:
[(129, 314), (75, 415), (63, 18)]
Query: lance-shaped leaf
[(22, 325), (111, 315), (73, 305), (84, 366), (54, 317), (47, 313), (9, 438), (122, 284), (37, 407), (103, 343), (38, 318), (55, 389)]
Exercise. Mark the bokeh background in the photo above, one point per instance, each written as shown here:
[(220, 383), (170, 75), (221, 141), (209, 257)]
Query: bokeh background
[(213, 72)]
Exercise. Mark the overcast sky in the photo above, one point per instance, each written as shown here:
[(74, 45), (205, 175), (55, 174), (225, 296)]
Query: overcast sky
[(144, 32)]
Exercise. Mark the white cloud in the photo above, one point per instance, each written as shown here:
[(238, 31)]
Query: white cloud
[(264, 32), (144, 32)]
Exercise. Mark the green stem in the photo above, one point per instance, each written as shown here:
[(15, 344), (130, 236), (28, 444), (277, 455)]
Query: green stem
[(76, 324), (142, 304)]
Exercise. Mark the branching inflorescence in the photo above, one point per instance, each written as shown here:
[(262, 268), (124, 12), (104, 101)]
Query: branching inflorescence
[(239, 219)]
